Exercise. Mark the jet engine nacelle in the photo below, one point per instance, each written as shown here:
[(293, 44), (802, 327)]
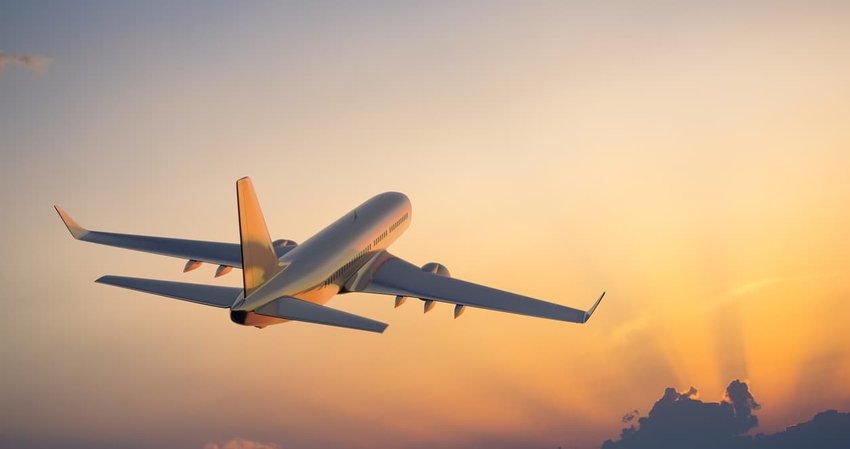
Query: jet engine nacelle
[(283, 242), (283, 246), (439, 270), (436, 268)]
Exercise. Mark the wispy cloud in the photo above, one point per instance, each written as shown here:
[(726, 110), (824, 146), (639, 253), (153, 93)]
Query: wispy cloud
[(242, 443), (758, 284), (31, 62)]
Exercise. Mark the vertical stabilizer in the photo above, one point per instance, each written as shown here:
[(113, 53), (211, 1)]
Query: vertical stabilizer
[(259, 261)]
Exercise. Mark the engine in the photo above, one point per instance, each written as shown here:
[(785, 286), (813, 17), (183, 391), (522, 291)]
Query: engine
[(283, 242), (436, 268), (283, 246), (439, 270)]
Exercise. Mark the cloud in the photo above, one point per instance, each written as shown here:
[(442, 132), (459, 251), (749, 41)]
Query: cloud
[(242, 443), (828, 430), (631, 416), (743, 404), (681, 420), (35, 63)]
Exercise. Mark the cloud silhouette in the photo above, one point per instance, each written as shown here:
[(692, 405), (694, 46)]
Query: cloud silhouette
[(631, 416), (35, 63), (828, 430), (681, 420), (242, 443), (743, 404)]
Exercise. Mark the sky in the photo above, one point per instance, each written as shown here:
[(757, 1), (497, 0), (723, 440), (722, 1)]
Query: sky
[(690, 158)]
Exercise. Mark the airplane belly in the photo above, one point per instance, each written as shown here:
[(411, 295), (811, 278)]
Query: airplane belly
[(254, 319), (319, 295)]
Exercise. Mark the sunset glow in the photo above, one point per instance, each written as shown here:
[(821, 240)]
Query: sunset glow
[(692, 159)]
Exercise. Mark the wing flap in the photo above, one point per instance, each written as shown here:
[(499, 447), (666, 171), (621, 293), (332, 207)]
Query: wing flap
[(209, 295), (296, 309), (398, 277)]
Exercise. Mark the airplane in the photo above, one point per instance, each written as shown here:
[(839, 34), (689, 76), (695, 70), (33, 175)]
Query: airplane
[(284, 281)]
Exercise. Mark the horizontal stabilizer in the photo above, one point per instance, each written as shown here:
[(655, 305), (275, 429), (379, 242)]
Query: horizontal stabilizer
[(295, 309), (210, 295)]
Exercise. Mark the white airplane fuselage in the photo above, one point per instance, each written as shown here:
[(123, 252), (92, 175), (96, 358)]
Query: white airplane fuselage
[(317, 269)]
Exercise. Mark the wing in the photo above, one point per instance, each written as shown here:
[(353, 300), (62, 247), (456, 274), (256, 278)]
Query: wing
[(227, 254), (394, 276)]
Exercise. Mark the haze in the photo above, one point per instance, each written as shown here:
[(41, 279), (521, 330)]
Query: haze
[(691, 159)]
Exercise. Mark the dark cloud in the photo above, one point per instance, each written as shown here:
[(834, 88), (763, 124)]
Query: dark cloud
[(743, 404), (31, 62), (630, 417), (828, 430), (680, 420)]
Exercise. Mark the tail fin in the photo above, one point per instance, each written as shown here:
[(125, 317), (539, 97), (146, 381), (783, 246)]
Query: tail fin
[(259, 261)]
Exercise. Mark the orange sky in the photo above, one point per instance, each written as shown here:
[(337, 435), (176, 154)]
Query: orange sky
[(690, 159)]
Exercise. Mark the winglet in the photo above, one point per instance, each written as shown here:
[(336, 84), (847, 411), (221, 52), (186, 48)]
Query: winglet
[(76, 230), (593, 308)]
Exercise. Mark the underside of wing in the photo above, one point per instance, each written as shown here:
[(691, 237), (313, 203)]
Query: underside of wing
[(395, 276), (225, 254), (299, 310)]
